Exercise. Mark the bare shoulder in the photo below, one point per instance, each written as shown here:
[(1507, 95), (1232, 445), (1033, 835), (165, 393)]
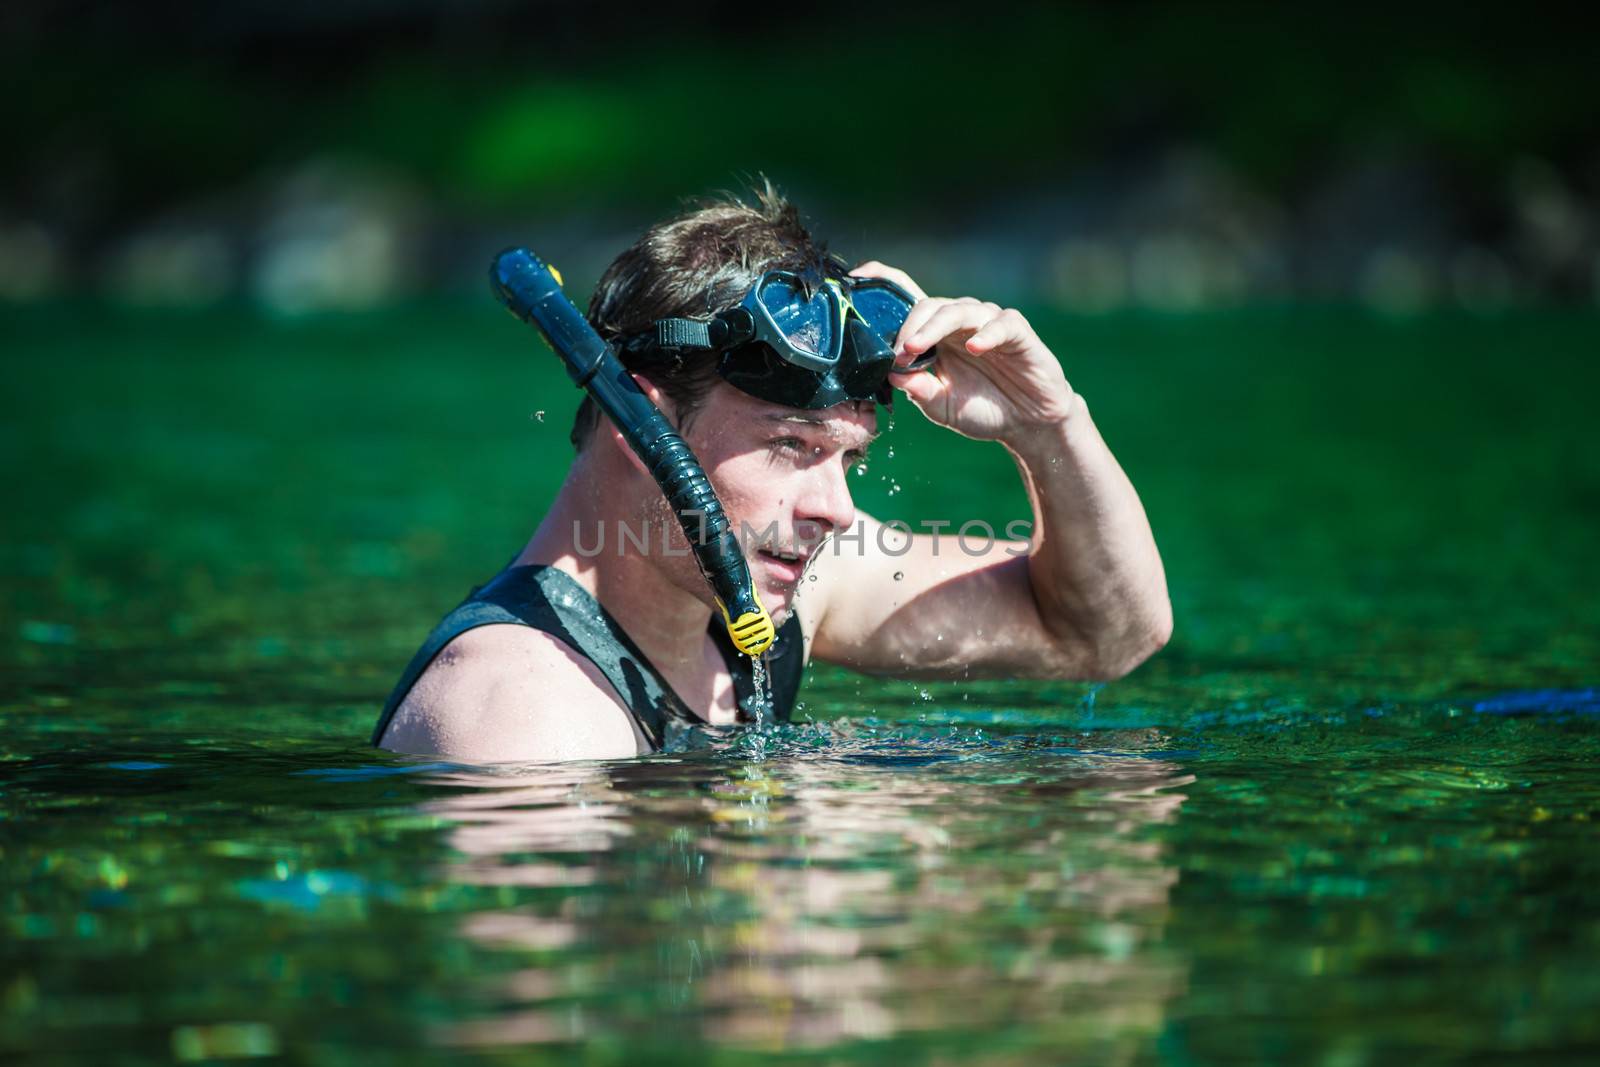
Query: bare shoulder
[(506, 693)]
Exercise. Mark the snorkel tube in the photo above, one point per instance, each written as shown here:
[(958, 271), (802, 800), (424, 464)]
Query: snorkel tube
[(532, 291)]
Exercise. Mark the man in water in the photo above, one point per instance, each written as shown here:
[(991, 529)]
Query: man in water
[(596, 635)]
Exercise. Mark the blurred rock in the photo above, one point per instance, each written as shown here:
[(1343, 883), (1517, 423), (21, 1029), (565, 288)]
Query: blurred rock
[(1184, 234), (172, 268), (1177, 232), (1553, 225), (1398, 281), (1181, 272), (30, 262), (1088, 276), (1377, 223), (338, 236), (1203, 236)]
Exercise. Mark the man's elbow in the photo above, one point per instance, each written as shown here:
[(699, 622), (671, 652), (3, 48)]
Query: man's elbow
[(1118, 657)]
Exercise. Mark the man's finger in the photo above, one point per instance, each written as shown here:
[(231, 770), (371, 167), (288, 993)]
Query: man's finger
[(926, 309), (923, 310), (950, 319), (923, 389), (873, 269), (1007, 325)]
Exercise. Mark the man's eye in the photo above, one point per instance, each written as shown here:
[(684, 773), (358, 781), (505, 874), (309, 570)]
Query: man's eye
[(789, 444)]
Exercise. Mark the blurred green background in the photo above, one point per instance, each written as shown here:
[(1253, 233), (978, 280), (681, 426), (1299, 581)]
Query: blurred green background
[(1161, 155)]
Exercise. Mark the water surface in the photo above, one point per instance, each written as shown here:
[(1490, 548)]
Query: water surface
[(1347, 817)]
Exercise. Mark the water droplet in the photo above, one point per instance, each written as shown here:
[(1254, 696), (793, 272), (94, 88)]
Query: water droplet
[(813, 577), (539, 415), (899, 575)]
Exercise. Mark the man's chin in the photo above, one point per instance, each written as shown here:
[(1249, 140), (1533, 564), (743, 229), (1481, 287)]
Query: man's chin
[(778, 599)]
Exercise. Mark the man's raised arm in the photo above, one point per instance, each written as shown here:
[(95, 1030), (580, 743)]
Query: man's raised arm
[(1086, 599)]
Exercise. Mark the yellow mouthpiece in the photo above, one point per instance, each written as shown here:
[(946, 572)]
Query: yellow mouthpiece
[(752, 633)]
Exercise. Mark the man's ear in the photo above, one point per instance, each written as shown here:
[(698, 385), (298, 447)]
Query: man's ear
[(663, 404)]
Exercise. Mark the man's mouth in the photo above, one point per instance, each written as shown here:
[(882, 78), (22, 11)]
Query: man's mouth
[(788, 566)]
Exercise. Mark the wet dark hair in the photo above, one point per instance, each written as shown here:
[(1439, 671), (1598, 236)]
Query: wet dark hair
[(694, 265)]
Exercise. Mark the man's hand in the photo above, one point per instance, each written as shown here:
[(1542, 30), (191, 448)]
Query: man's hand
[(993, 380)]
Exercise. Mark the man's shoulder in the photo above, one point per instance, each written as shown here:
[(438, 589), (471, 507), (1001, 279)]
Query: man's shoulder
[(505, 692)]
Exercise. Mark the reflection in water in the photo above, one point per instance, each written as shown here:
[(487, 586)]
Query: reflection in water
[(1355, 886), (857, 890)]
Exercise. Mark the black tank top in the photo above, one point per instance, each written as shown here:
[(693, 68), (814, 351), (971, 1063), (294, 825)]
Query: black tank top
[(547, 598)]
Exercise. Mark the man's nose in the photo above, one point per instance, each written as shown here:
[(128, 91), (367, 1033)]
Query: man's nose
[(826, 501)]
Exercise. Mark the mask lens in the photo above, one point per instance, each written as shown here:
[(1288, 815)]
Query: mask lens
[(883, 309), (805, 324)]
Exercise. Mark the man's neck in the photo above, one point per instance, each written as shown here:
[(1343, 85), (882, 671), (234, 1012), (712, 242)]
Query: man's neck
[(667, 623)]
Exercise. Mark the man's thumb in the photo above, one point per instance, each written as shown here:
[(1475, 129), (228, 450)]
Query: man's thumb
[(923, 388)]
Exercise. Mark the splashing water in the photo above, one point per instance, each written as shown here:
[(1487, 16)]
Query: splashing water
[(759, 705)]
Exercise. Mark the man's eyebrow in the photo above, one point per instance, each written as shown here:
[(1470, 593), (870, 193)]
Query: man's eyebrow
[(813, 420)]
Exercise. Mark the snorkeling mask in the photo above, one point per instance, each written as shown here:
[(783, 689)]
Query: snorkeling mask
[(804, 339)]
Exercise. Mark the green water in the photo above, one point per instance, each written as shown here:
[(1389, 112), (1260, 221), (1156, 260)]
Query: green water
[(1327, 825)]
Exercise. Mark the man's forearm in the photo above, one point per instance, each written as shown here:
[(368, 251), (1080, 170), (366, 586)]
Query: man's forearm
[(1096, 573)]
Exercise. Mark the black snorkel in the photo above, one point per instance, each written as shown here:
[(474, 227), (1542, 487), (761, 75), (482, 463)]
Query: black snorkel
[(532, 291)]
